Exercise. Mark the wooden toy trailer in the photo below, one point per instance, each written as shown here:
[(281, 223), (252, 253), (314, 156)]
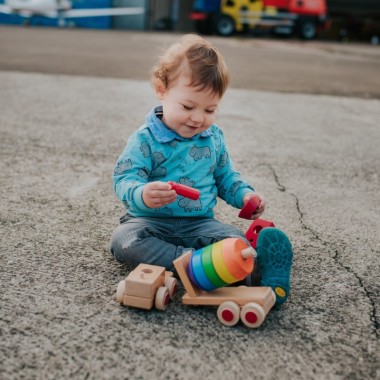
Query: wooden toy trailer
[(145, 286), (250, 304)]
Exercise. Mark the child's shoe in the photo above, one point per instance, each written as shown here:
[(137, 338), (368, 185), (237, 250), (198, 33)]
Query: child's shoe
[(275, 256)]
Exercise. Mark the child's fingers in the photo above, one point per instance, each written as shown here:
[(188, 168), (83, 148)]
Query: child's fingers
[(259, 211), (158, 194), (159, 199), (158, 186), (163, 194), (262, 205)]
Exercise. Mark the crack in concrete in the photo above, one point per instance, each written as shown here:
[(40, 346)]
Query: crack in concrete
[(336, 256)]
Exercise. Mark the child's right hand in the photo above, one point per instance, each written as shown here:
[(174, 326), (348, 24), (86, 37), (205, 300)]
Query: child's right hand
[(259, 209), (158, 194)]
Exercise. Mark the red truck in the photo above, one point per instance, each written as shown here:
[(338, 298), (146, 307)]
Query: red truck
[(224, 17)]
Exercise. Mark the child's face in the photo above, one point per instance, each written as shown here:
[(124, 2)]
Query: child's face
[(187, 110)]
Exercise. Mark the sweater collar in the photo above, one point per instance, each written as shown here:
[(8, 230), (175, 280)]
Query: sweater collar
[(162, 133)]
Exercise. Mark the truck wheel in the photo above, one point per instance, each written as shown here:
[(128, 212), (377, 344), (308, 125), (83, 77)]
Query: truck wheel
[(120, 292), (171, 283), (204, 26), (228, 313), (307, 30), (162, 298), (224, 25), (252, 315)]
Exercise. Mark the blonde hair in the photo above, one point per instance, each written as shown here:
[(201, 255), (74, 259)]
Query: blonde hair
[(196, 58)]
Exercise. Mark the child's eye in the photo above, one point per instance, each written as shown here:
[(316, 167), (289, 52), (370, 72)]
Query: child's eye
[(210, 111), (187, 107)]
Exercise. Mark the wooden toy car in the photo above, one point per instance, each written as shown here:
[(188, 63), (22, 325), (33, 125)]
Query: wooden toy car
[(250, 304), (145, 286)]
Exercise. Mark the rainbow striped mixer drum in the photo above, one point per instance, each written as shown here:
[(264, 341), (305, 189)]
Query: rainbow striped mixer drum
[(220, 264)]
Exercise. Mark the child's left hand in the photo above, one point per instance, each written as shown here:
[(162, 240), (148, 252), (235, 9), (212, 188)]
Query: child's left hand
[(259, 209)]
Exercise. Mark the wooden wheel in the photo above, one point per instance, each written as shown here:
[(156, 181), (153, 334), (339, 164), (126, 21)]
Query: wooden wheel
[(171, 283), (120, 292), (162, 298), (252, 315), (229, 313)]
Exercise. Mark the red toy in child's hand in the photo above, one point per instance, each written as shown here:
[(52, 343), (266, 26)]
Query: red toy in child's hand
[(185, 191), (249, 208)]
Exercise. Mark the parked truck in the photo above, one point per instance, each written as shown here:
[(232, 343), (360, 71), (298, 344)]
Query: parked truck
[(304, 18)]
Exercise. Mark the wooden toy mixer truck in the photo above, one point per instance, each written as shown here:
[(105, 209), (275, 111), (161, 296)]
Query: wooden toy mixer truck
[(250, 304), (207, 274)]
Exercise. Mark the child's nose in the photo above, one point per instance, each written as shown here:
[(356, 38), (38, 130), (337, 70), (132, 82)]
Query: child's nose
[(197, 116)]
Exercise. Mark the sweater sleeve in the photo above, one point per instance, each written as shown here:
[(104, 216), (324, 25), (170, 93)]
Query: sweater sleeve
[(231, 185), (132, 171)]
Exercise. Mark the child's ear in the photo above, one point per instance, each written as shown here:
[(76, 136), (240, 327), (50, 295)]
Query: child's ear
[(160, 91)]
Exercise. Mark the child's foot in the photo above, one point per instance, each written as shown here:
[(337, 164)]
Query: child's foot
[(275, 256)]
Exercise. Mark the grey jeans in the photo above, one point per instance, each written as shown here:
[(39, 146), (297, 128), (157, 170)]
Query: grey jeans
[(159, 241)]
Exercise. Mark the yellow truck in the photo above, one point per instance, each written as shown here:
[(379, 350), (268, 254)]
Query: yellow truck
[(224, 17)]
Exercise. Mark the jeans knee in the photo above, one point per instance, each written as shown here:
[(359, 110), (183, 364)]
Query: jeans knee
[(122, 253), (119, 246)]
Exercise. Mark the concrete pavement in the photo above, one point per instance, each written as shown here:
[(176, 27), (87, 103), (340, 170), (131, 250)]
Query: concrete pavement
[(287, 65), (316, 160)]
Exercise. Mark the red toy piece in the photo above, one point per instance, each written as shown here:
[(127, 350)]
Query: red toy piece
[(185, 191), (249, 208), (254, 229)]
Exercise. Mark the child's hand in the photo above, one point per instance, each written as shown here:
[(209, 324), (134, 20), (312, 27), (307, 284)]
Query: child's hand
[(259, 209), (158, 194)]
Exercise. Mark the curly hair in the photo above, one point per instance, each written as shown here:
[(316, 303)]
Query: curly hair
[(196, 58)]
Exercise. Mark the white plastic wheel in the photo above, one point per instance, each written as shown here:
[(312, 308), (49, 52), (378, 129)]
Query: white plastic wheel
[(171, 283), (120, 292), (252, 315), (228, 313), (162, 298)]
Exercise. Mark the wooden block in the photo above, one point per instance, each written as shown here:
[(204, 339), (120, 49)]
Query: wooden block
[(139, 302), (269, 302), (181, 265), (144, 281)]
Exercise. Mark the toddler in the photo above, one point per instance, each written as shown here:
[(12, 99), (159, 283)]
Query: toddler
[(179, 142)]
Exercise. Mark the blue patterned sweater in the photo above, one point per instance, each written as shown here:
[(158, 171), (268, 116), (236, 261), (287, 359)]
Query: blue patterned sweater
[(156, 153)]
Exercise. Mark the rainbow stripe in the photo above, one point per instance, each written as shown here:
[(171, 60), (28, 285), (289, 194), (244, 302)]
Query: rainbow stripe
[(219, 264)]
